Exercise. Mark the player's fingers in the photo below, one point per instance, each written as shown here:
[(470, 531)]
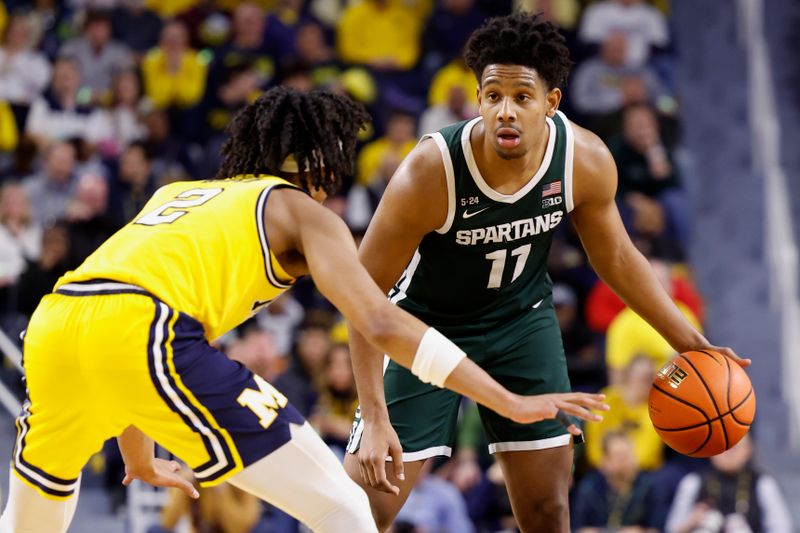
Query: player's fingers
[(574, 430), (744, 363), (580, 412), (590, 401), (185, 487), (397, 462), (175, 466), (381, 481), (127, 480)]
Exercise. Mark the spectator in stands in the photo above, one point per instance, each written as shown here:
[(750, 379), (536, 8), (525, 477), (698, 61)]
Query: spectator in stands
[(64, 111), (333, 414), (239, 89), (378, 160), (310, 45), (311, 349), (50, 189), (24, 72), (652, 201), (222, 508), (617, 497), (603, 305), (99, 57), (119, 124), (604, 84), (629, 335), (381, 34), (281, 319), (454, 74), (628, 415), (581, 347), (246, 47), (733, 496), (458, 107), (257, 351), (133, 184), (169, 154), (435, 505), (174, 74), (20, 235), (9, 134), (448, 29), (87, 220), (135, 26), (564, 13), (41, 275), (644, 25), (375, 166)]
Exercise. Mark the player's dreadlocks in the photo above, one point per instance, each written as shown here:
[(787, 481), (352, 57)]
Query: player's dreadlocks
[(317, 128), (520, 39)]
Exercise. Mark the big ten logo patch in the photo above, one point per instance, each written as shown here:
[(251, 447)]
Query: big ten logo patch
[(550, 202), (673, 374)]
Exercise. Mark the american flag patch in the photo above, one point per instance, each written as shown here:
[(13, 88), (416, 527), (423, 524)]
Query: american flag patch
[(549, 189)]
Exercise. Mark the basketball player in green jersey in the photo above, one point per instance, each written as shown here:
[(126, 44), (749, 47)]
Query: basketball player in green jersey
[(470, 215)]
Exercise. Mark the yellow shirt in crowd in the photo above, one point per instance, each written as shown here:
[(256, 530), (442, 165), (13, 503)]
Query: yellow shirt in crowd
[(635, 422), (368, 33), (629, 335), (182, 88), (372, 155), (455, 73)]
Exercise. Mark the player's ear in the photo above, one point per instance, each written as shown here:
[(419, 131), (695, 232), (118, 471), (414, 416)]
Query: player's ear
[(552, 99)]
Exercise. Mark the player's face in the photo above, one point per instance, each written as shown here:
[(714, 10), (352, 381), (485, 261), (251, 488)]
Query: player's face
[(513, 101)]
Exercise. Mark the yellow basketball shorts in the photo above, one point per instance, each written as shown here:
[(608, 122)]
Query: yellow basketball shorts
[(100, 356)]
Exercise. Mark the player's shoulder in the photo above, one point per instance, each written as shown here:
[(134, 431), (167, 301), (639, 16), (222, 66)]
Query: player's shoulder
[(594, 170)]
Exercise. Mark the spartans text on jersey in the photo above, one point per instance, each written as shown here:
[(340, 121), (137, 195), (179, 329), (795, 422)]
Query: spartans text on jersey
[(512, 231)]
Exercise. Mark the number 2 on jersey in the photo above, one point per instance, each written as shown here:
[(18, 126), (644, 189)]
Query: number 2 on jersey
[(498, 259), (193, 198)]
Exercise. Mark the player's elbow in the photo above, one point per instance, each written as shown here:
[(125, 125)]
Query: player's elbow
[(381, 328)]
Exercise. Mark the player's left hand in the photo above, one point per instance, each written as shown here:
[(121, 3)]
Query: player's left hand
[(744, 363), (161, 473)]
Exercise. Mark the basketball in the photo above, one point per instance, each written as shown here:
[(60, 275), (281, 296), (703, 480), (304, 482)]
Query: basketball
[(701, 403)]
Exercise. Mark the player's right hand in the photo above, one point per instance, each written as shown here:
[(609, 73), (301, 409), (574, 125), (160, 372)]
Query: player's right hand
[(531, 409), (161, 473), (379, 441)]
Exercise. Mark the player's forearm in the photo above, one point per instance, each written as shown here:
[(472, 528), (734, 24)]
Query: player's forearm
[(368, 373), (470, 380), (629, 274), (138, 450)]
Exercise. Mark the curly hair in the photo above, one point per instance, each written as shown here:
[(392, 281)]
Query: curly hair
[(520, 39), (317, 128)]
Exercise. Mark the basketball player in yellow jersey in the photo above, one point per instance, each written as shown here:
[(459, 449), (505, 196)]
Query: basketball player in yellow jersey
[(121, 348)]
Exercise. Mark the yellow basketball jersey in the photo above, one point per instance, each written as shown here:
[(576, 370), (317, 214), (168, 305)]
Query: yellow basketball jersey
[(201, 247)]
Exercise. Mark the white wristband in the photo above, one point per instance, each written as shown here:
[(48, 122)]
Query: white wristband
[(436, 358)]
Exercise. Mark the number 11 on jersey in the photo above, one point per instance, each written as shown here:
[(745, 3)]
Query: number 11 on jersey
[(498, 259)]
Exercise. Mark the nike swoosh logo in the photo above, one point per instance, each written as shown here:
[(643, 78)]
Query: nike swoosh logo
[(537, 304), (467, 214)]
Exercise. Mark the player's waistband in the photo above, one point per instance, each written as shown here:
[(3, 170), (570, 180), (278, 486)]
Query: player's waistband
[(99, 286)]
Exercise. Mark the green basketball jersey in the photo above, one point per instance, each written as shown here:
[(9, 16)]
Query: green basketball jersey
[(488, 263)]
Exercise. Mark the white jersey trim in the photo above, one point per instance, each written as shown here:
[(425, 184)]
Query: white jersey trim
[(478, 178), (568, 158), (405, 279), (524, 446), (427, 453), (450, 176)]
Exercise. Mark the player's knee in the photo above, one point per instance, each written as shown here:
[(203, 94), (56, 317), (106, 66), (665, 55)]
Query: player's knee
[(547, 515), (351, 512)]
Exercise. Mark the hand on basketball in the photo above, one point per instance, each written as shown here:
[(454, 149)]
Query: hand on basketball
[(378, 442), (728, 352), (161, 473), (559, 407)]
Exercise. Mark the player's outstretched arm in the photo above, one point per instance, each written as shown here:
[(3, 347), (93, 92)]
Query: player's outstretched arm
[(325, 242), (141, 463), (612, 254)]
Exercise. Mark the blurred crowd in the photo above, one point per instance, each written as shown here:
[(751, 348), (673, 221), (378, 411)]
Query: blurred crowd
[(103, 101)]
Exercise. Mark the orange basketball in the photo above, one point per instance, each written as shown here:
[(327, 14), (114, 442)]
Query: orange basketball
[(702, 403)]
